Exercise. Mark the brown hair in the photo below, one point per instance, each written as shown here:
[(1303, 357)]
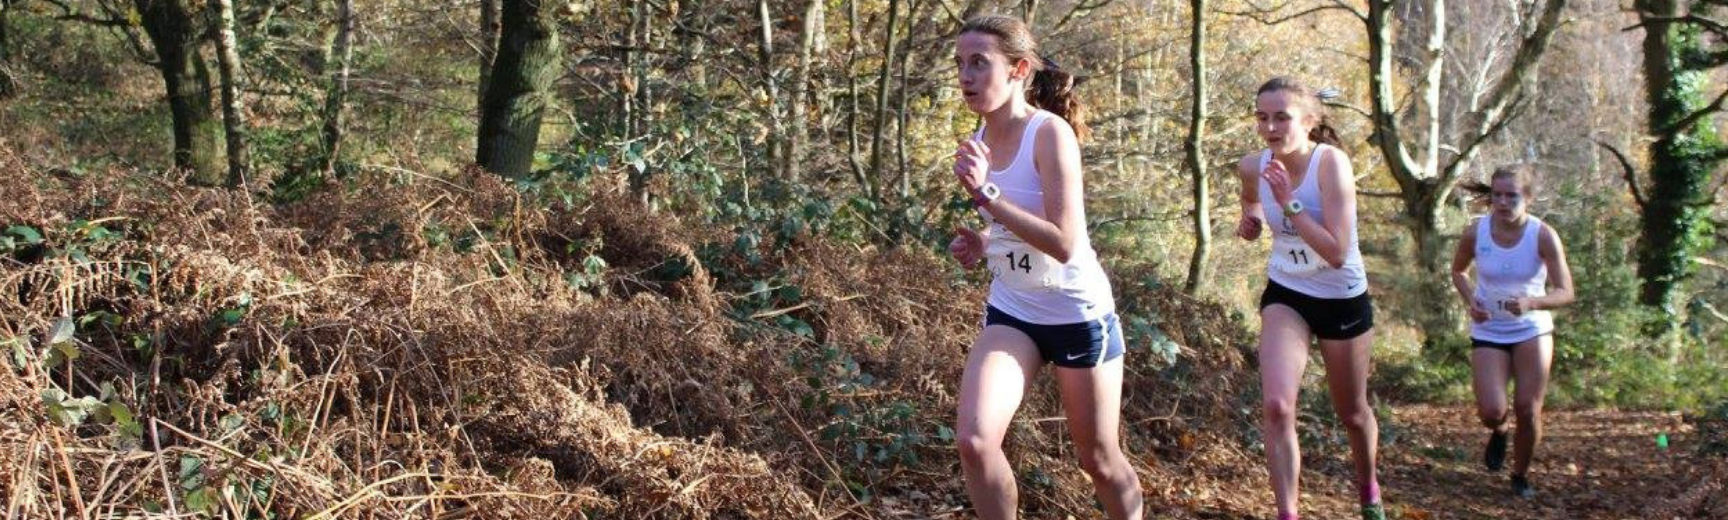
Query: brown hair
[(1524, 174), (1051, 88), (1311, 101)]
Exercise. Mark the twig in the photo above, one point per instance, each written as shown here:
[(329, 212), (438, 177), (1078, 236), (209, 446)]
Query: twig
[(833, 471), (777, 312), (71, 477), (1627, 171), (1264, 15), (363, 494), (156, 438), (399, 169)]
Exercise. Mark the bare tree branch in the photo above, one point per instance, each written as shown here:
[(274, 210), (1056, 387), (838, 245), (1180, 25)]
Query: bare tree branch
[(67, 13), (1709, 25), (1353, 108), (1713, 196), (1455, 168), (1082, 7), (1265, 15), (115, 20), (1167, 217), (1627, 171), (1530, 50), (1379, 194), (1692, 118), (1387, 137)]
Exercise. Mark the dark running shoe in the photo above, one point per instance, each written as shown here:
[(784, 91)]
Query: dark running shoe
[(1521, 487), (1494, 456), (1373, 512)]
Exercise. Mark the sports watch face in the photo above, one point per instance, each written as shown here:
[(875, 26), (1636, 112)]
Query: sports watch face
[(990, 191)]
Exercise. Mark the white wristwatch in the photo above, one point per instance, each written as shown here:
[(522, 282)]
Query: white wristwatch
[(986, 193), (1293, 208)]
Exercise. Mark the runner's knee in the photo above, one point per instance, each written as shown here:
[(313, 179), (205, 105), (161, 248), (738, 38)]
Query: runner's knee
[(1492, 415), (1278, 412), (976, 448)]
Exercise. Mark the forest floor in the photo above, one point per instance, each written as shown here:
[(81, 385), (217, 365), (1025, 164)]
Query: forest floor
[(1596, 464), (1593, 464)]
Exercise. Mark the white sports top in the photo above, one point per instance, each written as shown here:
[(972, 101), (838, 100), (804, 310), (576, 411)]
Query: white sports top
[(1295, 265), (1504, 274), (1026, 283)]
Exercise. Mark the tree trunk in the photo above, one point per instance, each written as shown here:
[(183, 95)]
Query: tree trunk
[(1193, 152), (233, 119), (1424, 205), (627, 81), (644, 91), (489, 29), (1416, 186), (336, 93), (1431, 87), (516, 100), (174, 31), (812, 27), (771, 88), (852, 159), (882, 88), (8, 78), (905, 114), (1682, 158)]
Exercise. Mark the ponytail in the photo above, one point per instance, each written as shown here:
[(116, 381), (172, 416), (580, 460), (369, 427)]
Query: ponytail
[(1525, 175), (1324, 133), (1053, 90)]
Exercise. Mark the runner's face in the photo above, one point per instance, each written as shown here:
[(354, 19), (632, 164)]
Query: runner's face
[(1507, 199), (987, 78), (1281, 121)]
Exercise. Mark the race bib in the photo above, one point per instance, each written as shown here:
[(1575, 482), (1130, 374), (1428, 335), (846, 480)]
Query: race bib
[(1295, 259), (1499, 305), (1021, 266)]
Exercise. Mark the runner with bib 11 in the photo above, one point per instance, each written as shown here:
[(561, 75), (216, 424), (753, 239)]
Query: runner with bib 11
[(1049, 299), (1316, 285)]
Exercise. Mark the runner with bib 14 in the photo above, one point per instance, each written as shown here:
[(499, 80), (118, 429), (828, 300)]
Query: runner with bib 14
[(1049, 301), (1316, 285)]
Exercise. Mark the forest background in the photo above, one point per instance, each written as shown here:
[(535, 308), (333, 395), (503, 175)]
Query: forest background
[(683, 258)]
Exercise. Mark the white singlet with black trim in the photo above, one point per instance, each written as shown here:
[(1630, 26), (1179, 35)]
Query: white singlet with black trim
[(1026, 283), (1504, 274), (1295, 265)]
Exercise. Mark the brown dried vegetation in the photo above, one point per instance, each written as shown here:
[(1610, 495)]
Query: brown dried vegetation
[(335, 357)]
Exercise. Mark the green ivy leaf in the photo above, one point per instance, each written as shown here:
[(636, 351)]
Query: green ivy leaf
[(66, 411), (20, 351), (26, 233), (232, 317), (191, 472), (129, 427), (202, 500)]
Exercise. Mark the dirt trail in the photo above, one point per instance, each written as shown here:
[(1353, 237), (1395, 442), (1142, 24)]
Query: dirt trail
[(1593, 464)]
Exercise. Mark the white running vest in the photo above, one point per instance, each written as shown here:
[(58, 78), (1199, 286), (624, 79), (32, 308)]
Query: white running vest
[(1026, 283), (1295, 265), (1504, 274)]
